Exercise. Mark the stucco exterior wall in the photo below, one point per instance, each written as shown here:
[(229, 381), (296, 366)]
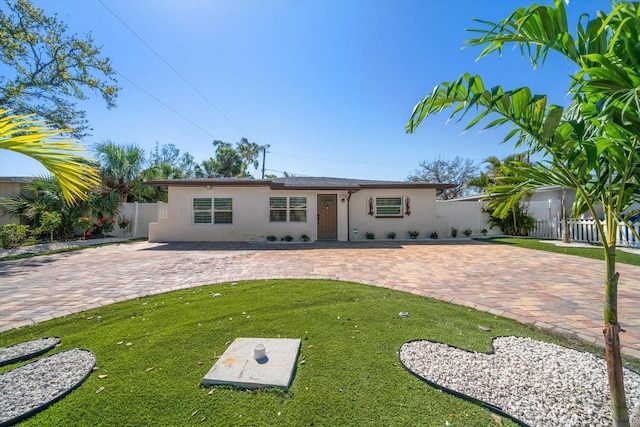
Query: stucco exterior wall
[(7, 188), (250, 216), (423, 217)]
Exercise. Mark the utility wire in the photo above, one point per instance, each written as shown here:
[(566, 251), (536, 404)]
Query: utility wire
[(337, 160), (174, 70), (166, 105)]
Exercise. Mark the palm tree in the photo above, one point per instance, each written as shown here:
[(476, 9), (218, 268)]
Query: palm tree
[(592, 147), (44, 194), (31, 137), (120, 167), (518, 223)]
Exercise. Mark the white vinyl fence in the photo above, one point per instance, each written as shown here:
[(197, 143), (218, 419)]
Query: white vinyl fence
[(140, 215), (584, 230)]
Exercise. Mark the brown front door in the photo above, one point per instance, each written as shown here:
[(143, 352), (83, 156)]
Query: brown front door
[(327, 217)]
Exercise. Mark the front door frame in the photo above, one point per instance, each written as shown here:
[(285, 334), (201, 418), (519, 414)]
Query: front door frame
[(327, 216)]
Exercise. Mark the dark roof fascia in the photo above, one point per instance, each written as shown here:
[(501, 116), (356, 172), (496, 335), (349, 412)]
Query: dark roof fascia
[(274, 185), (409, 185), (207, 183), (16, 179)]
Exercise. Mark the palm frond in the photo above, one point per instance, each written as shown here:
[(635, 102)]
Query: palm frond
[(61, 157)]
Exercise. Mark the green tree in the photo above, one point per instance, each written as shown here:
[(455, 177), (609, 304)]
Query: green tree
[(50, 222), (592, 147), (457, 171), (517, 222), (170, 164), (61, 157), (120, 167), (48, 68), (44, 195), (229, 161)]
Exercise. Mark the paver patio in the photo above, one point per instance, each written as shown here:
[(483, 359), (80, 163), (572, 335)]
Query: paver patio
[(556, 292)]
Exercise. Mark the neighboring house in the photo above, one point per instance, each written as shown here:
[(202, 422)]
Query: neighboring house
[(232, 209), (8, 187)]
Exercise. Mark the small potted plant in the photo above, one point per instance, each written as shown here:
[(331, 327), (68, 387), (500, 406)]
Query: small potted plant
[(370, 236), (414, 234), (391, 235), (287, 238), (304, 238), (467, 232), (454, 232), (271, 238), (123, 224), (434, 235), (484, 231)]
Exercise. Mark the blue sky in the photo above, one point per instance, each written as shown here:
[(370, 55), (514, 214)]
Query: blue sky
[(329, 85)]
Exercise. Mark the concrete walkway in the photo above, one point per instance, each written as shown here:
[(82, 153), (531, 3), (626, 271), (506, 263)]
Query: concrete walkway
[(556, 292)]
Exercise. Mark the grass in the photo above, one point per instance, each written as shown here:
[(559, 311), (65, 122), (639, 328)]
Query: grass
[(350, 337), (593, 253)]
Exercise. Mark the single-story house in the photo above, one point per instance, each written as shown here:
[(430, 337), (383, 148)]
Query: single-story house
[(233, 209), (9, 186)]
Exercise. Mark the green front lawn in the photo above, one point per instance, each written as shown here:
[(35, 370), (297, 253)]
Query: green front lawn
[(594, 253), (154, 352)]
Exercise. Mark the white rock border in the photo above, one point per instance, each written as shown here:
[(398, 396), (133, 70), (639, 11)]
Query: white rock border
[(27, 350), (30, 388), (531, 382)]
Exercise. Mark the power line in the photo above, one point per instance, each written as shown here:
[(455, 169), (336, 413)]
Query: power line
[(339, 160), (166, 105), (173, 69)]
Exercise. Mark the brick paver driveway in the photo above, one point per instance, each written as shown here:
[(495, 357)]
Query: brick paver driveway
[(559, 292)]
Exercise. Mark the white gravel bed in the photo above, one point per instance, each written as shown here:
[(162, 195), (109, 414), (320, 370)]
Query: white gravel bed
[(26, 350), (45, 247), (31, 387), (538, 383)]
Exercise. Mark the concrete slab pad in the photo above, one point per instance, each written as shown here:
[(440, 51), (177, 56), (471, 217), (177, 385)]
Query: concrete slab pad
[(238, 366)]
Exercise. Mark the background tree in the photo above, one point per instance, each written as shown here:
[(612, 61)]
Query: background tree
[(518, 222), (170, 164), (120, 166), (44, 195), (61, 157), (48, 68), (231, 162), (592, 147), (457, 171)]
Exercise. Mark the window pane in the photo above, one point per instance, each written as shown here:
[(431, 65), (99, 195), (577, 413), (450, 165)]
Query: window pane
[(298, 215), (223, 204), (278, 202), (389, 201), (278, 216), (201, 204), (388, 210), (223, 217), (389, 206), (202, 217), (297, 202)]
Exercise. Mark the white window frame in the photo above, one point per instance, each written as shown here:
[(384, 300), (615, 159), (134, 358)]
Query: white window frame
[(209, 209), (298, 206), (385, 208)]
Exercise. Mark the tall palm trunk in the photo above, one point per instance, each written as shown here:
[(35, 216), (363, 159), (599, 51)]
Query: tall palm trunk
[(619, 411)]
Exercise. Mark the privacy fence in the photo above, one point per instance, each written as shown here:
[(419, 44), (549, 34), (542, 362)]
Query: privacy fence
[(584, 230), (140, 215)]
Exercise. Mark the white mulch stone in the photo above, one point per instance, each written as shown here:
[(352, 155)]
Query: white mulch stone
[(26, 350), (539, 383), (30, 388)]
